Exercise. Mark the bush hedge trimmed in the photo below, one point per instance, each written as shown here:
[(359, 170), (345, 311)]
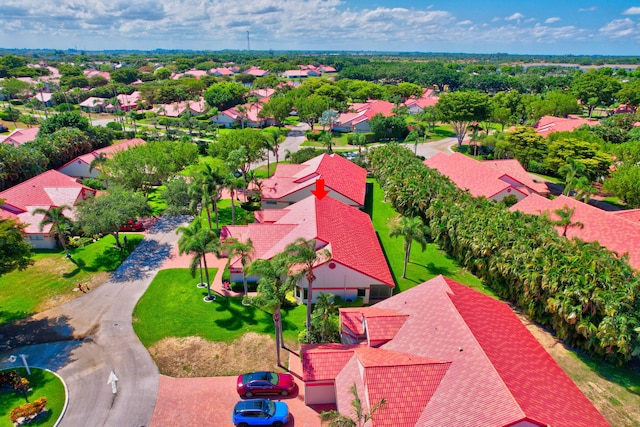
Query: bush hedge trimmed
[(589, 295)]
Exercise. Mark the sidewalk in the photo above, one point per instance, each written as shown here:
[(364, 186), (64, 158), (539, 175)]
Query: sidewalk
[(183, 261)]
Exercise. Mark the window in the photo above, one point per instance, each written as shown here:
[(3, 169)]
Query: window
[(362, 292), (271, 202)]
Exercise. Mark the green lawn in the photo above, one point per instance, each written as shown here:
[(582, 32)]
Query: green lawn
[(156, 201), (43, 383), (55, 277), (422, 265), (172, 306)]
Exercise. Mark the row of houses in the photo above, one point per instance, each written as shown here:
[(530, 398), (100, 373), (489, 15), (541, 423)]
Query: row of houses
[(439, 354), (54, 188), (618, 231)]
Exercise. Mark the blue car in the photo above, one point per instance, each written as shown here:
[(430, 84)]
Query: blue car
[(260, 412)]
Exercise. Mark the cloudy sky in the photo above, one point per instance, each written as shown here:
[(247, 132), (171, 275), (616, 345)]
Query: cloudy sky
[(609, 27)]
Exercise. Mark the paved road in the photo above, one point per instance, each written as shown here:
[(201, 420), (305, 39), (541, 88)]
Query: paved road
[(87, 338)]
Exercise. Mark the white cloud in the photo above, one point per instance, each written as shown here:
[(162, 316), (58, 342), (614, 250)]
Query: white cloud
[(552, 20), (496, 19), (588, 9), (619, 28), (635, 10), (515, 16), (465, 22)]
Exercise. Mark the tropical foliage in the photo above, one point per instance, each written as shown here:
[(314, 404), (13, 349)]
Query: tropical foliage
[(586, 293)]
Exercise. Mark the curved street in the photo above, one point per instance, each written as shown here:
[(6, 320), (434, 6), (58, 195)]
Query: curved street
[(87, 338)]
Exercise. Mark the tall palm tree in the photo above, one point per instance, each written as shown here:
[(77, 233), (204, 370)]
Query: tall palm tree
[(360, 416), (244, 251), (572, 172), (187, 236), (59, 223), (303, 252), (203, 242), (410, 228), (273, 286), (212, 183)]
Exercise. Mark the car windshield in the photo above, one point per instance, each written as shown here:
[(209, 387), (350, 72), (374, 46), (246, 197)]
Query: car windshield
[(261, 376), (270, 407)]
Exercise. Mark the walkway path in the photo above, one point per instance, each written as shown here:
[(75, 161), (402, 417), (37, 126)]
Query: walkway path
[(87, 338)]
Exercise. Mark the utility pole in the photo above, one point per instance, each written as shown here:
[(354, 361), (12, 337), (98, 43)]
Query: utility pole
[(248, 42)]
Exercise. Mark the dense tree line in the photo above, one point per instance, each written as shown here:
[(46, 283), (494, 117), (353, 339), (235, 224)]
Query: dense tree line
[(586, 293), (61, 138)]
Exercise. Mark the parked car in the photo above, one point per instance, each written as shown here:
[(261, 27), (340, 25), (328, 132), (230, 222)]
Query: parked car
[(3, 128), (265, 383), (260, 412), (131, 225)]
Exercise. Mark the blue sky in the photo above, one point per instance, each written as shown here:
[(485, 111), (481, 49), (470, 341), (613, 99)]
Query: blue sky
[(516, 26)]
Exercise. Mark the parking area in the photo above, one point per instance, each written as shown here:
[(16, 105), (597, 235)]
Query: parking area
[(209, 402)]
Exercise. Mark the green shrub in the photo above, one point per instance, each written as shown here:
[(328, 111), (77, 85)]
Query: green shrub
[(96, 184)]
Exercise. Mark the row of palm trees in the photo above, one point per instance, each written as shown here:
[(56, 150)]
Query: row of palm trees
[(586, 293)]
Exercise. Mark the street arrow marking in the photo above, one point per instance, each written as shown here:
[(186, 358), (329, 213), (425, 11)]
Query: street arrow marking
[(320, 192), (113, 380)]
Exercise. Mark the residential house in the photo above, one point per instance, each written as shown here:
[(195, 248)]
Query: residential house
[(256, 71), (21, 136), (617, 231), (80, 167), (220, 72), (550, 124), (417, 105), (359, 114), (443, 354), (129, 102), (300, 74), (356, 266), (492, 179), (94, 104), (91, 73), (49, 189), (176, 109), (45, 98), (291, 183), (251, 117)]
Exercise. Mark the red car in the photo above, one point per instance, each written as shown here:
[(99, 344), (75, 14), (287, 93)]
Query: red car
[(264, 383), (131, 225)]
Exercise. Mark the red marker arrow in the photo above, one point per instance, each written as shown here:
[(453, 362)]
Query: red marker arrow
[(320, 192)]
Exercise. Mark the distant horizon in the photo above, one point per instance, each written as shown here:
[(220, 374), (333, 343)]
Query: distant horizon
[(546, 27)]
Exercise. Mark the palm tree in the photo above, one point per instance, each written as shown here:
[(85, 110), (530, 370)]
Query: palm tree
[(203, 242), (212, 183), (572, 172), (244, 251), (59, 223), (410, 228), (303, 252), (336, 419), (98, 162), (324, 308), (234, 184), (187, 236), (565, 219), (273, 286), (242, 112)]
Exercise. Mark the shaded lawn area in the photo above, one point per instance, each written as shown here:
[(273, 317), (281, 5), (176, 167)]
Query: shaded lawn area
[(43, 383), (422, 265), (172, 306), (156, 201), (54, 277)]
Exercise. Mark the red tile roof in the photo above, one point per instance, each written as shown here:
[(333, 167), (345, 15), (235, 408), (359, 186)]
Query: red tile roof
[(514, 169), (632, 215), (390, 375), (339, 174), (348, 230), (324, 361), (475, 176), (21, 136), (107, 151), (609, 229), (550, 124), (381, 325), (498, 373), (49, 189)]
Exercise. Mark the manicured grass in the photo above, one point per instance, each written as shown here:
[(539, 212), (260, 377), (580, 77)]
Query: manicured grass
[(42, 383), (55, 277), (172, 306), (156, 201), (422, 265)]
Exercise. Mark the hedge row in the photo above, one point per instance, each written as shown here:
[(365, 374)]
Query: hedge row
[(586, 293)]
